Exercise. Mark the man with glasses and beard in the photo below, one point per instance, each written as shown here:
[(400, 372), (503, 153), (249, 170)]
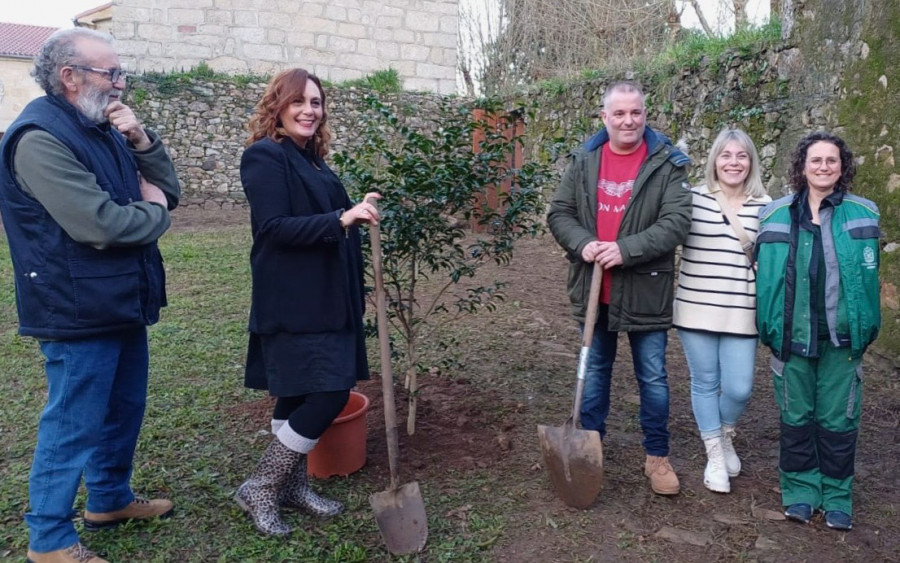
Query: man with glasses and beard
[(85, 192)]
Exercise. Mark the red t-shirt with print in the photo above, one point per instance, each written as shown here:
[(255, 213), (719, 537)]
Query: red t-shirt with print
[(614, 184)]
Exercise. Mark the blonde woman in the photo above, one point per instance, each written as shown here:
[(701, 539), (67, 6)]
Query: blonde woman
[(715, 304)]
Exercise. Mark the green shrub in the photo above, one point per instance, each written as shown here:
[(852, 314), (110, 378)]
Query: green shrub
[(382, 81), (435, 185)]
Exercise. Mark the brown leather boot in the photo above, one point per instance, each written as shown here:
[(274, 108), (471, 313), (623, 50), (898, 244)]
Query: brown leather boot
[(663, 480), (138, 509), (75, 553)]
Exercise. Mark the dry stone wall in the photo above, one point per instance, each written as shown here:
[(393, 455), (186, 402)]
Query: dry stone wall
[(204, 125), (336, 39), (204, 121), (690, 105), (841, 80)]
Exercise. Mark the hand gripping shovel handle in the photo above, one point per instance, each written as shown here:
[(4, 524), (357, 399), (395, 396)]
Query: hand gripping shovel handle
[(588, 336), (384, 343)]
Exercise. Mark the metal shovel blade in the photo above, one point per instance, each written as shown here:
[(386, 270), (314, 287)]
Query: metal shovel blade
[(400, 514), (574, 460)]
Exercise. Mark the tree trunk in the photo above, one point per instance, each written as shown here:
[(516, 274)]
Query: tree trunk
[(467, 78), (774, 8), (673, 23), (740, 14), (703, 23)]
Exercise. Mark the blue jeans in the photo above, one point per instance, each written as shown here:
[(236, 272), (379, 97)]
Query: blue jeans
[(97, 391), (721, 377), (648, 352)]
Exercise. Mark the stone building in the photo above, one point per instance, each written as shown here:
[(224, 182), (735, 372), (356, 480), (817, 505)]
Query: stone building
[(99, 18), (335, 39), (18, 45)]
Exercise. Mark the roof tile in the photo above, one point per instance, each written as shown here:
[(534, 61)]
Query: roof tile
[(20, 40)]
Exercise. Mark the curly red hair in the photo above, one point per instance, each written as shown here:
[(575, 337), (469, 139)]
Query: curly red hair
[(283, 89)]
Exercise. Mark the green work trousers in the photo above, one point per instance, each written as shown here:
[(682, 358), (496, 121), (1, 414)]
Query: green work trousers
[(820, 402)]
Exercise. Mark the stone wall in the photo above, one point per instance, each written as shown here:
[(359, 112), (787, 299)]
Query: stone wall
[(690, 105), (204, 125), (837, 73), (335, 39)]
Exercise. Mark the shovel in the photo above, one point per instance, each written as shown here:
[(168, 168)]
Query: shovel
[(573, 456), (399, 511)]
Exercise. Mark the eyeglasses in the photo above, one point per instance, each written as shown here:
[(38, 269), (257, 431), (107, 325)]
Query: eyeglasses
[(114, 74)]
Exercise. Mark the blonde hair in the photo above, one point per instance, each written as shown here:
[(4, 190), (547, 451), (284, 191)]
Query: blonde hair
[(753, 185)]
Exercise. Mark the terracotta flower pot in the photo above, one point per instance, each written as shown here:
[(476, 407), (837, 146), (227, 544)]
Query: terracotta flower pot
[(342, 448)]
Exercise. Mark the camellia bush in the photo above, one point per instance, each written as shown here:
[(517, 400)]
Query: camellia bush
[(454, 200)]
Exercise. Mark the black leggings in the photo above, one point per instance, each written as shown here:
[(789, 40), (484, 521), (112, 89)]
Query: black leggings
[(310, 415)]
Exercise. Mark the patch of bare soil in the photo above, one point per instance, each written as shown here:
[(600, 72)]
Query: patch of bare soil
[(630, 523), (449, 421), (516, 368), (208, 216)]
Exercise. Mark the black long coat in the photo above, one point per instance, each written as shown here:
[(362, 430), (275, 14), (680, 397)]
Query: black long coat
[(307, 273)]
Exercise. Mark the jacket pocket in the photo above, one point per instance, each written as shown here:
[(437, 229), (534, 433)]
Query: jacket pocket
[(854, 394), (578, 286), (863, 229), (106, 291), (651, 288), (779, 383), (773, 233)]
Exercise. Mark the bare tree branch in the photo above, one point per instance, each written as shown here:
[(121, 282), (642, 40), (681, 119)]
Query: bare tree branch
[(703, 23), (543, 39), (673, 21)]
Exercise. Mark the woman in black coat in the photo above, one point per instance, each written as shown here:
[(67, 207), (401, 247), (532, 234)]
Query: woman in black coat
[(307, 346)]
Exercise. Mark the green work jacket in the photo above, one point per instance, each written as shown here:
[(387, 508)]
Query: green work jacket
[(786, 312)]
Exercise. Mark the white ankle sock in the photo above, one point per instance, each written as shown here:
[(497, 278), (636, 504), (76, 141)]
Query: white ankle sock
[(277, 423), (294, 441)]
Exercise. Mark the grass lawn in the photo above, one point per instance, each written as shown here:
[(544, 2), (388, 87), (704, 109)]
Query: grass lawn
[(491, 378), (195, 447)]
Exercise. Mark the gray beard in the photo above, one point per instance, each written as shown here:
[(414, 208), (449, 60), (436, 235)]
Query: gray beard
[(93, 103)]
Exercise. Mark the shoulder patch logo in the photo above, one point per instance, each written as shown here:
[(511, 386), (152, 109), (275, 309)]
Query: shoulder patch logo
[(686, 185), (868, 258)]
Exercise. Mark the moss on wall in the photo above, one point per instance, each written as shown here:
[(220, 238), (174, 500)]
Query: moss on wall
[(869, 115), (737, 87), (839, 70)]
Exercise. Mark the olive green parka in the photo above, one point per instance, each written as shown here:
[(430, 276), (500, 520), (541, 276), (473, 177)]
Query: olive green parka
[(657, 219)]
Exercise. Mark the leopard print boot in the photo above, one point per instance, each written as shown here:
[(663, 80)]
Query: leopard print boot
[(297, 493), (258, 495)]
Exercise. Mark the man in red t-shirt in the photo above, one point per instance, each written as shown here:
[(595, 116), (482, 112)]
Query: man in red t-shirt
[(625, 203), (614, 185)]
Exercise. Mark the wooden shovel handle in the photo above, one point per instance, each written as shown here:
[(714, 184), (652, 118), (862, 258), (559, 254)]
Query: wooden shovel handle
[(384, 344), (590, 318), (588, 336)]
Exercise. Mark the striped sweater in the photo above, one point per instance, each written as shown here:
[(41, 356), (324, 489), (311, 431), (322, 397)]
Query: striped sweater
[(716, 286)]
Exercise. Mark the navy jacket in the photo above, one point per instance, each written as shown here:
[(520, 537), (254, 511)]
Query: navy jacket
[(300, 255), (66, 289)]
